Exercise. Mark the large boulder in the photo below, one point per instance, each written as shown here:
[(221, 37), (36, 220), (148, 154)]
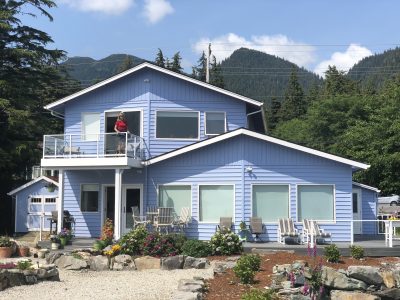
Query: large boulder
[(191, 285), (369, 275), (338, 280), (181, 295), (146, 263), (53, 256), (388, 279), (172, 262), (99, 263), (389, 294), (69, 262), (195, 263), (50, 274), (122, 262), (344, 295)]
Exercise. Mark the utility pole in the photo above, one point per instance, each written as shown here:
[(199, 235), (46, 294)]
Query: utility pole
[(208, 64)]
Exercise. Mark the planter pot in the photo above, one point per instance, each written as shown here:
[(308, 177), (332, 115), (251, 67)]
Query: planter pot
[(6, 252), (243, 235), (42, 253), (63, 242), (55, 246), (23, 251)]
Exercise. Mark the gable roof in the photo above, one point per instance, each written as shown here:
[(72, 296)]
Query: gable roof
[(263, 137), (49, 180), (157, 68), (367, 187)]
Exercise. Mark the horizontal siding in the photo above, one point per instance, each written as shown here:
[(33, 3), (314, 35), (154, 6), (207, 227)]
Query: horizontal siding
[(369, 199)]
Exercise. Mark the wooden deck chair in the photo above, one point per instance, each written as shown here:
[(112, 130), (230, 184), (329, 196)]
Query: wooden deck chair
[(224, 223), (306, 234), (286, 229), (137, 218), (318, 232), (256, 227), (183, 219), (164, 219)]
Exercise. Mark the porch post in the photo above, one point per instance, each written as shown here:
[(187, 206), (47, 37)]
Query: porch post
[(60, 206), (118, 203)]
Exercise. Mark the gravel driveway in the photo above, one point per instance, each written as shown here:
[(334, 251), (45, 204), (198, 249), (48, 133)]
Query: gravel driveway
[(149, 284)]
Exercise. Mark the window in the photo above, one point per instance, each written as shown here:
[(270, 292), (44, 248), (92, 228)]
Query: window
[(89, 198), (215, 123), (90, 126), (215, 201), (355, 203), (50, 200), (270, 202), (176, 196), (36, 200), (315, 202), (177, 125)]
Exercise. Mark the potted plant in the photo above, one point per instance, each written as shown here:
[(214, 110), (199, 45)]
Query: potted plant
[(64, 236), (6, 247), (55, 242), (51, 187), (243, 231)]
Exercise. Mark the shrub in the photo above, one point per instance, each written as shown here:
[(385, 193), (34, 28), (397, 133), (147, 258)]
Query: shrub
[(256, 294), (178, 240), (357, 252), (196, 248), (332, 253), (132, 242), (24, 265), (225, 242), (246, 267), (159, 245), (5, 241), (98, 244)]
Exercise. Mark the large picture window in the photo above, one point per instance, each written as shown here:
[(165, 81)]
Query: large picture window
[(90, 126), (270, 202), (177, 125), (215, 201), (215, 123), (315, 202), (90, 197), (176, 196)]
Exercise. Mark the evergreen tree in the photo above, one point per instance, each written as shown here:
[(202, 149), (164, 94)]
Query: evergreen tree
[(201, 68), (294, 104), (126, 64), (168, 64), (336, 83), (216, 77), (272, 114), (176, 63), (160, 60)]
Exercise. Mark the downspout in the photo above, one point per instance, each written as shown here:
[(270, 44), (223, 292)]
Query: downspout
[(56, 114), (243, 179)]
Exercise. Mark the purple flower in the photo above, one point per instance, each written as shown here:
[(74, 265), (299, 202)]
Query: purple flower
[(306, 289), (315, 250), (308, 249)]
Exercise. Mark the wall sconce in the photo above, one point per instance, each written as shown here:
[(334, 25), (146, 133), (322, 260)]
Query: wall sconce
[(248, 169)]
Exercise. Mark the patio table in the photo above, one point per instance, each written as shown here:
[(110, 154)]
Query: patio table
[(390, 225)]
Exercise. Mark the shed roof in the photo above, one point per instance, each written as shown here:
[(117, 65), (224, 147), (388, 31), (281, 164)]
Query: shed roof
[(22, 187)]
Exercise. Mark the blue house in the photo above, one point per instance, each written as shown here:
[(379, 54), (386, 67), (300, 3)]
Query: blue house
[(192, 145)]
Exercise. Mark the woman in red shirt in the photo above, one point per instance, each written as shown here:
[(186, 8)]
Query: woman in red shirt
[(121, 126)]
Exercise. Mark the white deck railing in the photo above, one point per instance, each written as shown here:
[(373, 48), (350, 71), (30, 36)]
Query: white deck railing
[(94, 146)]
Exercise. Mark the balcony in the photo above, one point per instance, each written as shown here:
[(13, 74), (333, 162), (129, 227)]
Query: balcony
[(105, 150)]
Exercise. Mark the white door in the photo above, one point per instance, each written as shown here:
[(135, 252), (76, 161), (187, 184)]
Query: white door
[(132, 195), (40, 206), (356, 204)]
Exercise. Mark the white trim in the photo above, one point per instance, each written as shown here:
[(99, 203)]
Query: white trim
[(262, 137), (103, 201), (124, 187), (214, 184), (84, 135), (98, 198), (178, 111), (205, 122), (177, 184), (16, 214), (274, 184), (32, 182), (109, 162), (332, 221), (364, 186), (157, 68), (124, 110), (360, 210)]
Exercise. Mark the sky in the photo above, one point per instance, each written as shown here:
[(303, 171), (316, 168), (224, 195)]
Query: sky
[(313, 34)]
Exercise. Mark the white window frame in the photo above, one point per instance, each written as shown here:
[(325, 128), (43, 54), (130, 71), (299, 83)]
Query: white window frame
[(84, 135), (177, 184), (205, 122), (178, 139), (334, 202), (269, 183), (116, 111), (98, 198), (214, 184)]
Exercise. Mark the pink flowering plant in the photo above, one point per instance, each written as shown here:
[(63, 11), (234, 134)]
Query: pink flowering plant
[(158, 245)]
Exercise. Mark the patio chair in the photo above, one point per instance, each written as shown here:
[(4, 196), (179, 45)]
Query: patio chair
[(151, 213), (256, 227), (164, 219), (306, 234), (286, 229), (224, 222), (183, 219), (137, 218), (318, 232), (68, 220)]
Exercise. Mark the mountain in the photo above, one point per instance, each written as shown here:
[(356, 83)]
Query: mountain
[(262, 76), (374, 70), (88, 70)]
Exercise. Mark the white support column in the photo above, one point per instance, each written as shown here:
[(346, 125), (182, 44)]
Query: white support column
[(60, 206), (118, 204), (352, 232)]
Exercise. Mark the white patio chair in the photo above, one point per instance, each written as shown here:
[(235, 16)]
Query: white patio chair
[(306, 233), (137, 218), (164, 219), (318, 232), (183, 219), (286, 229)]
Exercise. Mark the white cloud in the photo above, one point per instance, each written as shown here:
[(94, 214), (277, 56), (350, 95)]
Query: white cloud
[(155, 10), (343, 60), (279, 45), (113, 7)]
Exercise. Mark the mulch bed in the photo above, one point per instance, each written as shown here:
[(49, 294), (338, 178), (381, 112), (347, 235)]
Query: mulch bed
[(226, 286)]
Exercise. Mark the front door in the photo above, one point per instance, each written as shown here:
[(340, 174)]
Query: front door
[(132, 195), (356, 204)]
